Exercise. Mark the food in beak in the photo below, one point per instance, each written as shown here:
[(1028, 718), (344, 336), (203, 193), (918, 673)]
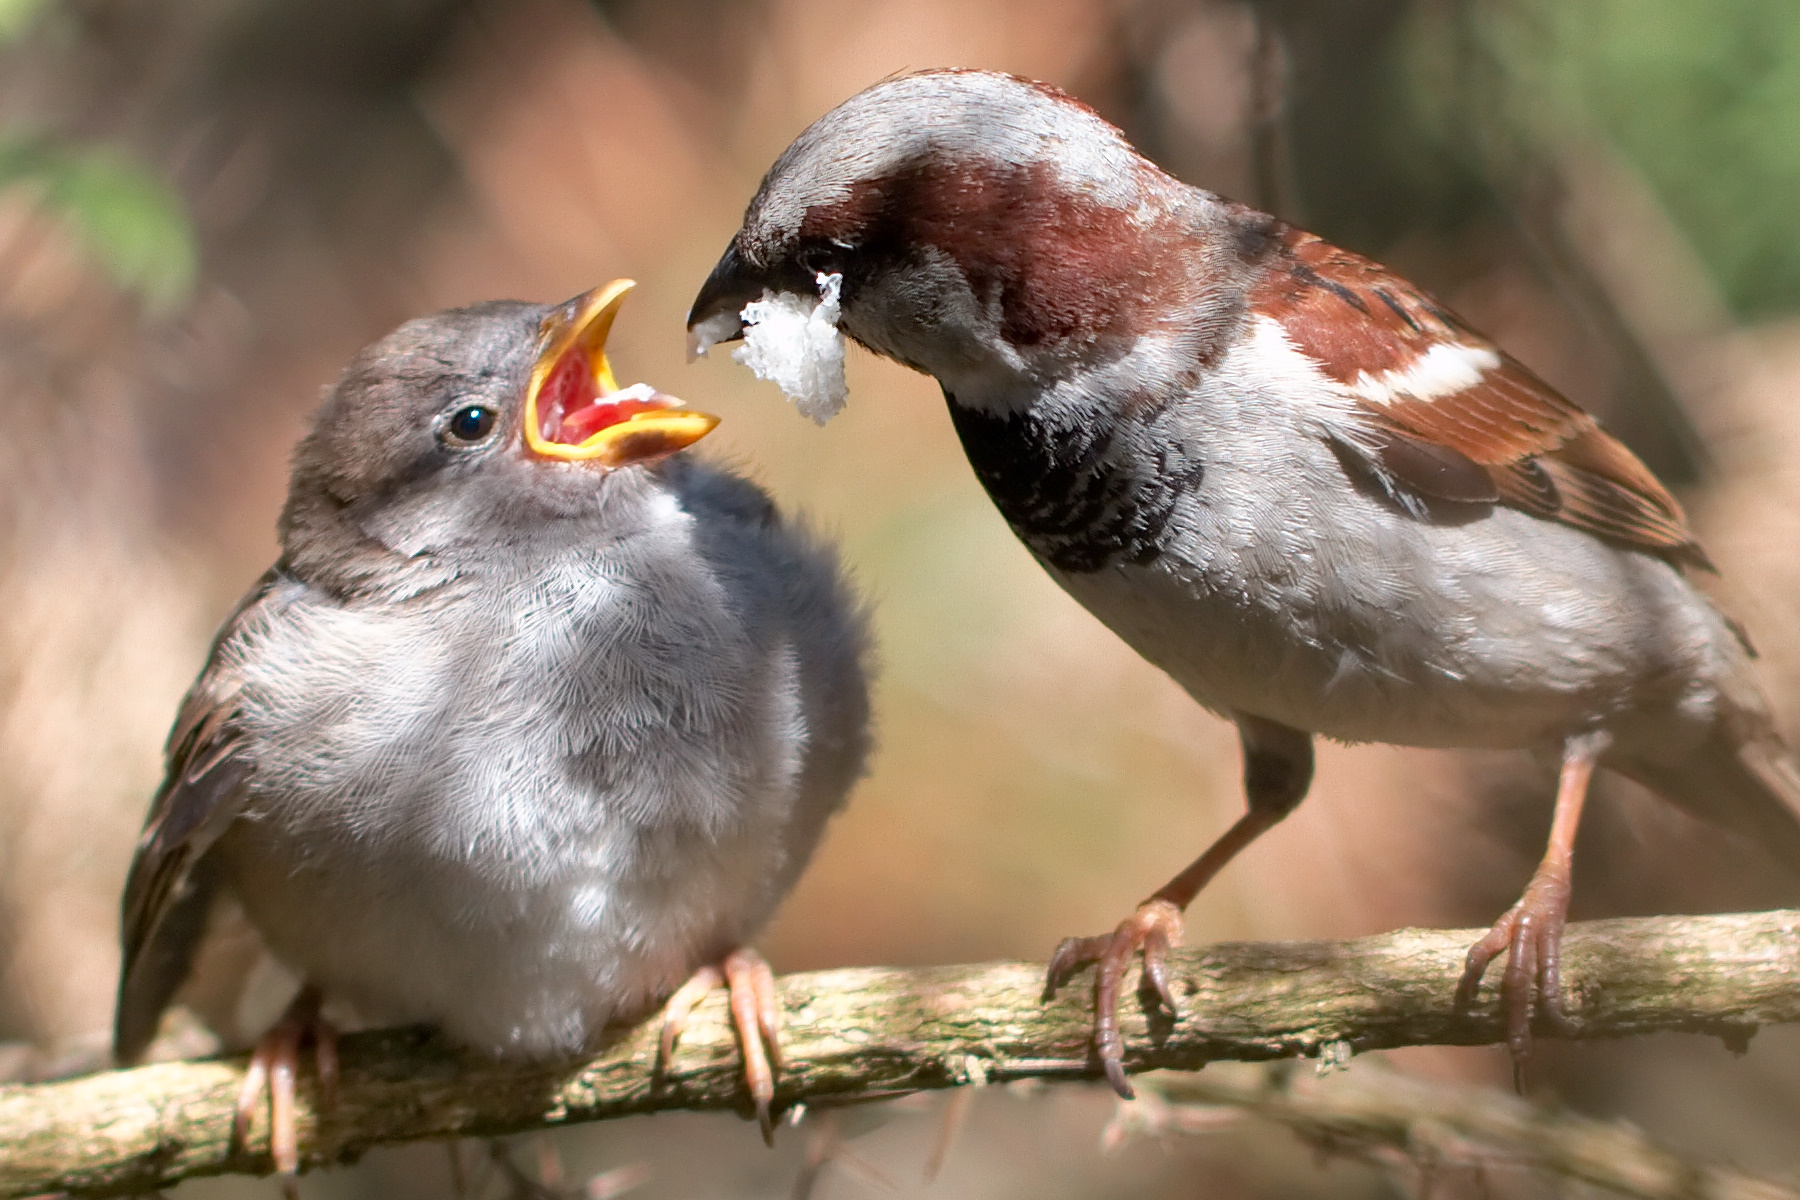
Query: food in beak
[(793, 342), (575, 409)]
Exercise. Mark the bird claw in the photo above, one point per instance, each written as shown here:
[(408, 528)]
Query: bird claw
[(274, 1068), (1530, 933), (679, 1009), (1154, 983), (1152, 930), (1072, 954), (755, 1015)]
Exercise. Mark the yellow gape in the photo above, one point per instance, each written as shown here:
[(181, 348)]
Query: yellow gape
[(575, 409)]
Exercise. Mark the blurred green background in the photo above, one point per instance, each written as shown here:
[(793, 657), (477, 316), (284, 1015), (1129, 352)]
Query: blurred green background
[(206, 208)]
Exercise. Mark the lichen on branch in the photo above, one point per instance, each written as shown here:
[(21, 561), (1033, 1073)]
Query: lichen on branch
[(865, 1033)]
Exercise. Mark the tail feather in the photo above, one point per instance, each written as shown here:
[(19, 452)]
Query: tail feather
[(1750, 786), (1776, 814)]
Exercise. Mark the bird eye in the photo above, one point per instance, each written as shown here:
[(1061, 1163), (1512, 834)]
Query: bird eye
[(819, 259), (471, 424)]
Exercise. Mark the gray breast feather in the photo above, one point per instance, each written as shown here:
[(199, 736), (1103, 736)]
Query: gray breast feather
[(1283, 590), (544, 808)]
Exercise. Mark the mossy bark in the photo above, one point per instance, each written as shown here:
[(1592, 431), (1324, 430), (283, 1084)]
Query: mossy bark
[(861, 1034)]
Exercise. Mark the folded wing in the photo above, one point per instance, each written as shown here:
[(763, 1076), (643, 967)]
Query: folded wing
[(170, 888), (1443, 407)]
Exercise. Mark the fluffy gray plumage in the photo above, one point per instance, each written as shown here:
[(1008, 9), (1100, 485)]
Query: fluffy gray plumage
[(505, 745)]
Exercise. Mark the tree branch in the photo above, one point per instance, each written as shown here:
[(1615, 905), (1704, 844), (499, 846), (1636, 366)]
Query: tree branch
[(863, 1034)]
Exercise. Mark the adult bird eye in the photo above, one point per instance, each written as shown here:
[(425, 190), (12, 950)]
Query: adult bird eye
[(820, 259), (471, 424)]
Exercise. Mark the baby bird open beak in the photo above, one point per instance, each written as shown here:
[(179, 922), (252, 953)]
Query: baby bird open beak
[(575, 409)]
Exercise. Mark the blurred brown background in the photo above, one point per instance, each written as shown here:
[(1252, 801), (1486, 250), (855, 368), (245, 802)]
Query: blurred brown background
[(205, 208)]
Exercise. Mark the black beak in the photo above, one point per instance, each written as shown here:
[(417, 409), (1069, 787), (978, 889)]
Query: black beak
[(714, 316)]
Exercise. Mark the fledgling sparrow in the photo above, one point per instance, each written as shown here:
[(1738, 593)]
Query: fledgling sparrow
[(1291, 479), (533, 720)]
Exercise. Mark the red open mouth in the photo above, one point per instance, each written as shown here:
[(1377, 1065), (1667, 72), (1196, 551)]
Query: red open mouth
[(572, 408), (575, 409)]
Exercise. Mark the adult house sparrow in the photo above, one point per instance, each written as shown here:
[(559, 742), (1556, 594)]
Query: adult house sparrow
[(530, 723), (1298, 484)]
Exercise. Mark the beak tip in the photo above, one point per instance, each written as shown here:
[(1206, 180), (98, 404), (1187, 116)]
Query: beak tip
[(716, 313), (709, 331)]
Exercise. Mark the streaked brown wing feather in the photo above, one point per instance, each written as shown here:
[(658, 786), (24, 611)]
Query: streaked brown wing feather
[(169, 889), (1544, 454)]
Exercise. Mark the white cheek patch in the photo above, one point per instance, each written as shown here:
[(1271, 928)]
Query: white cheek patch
[(794, 343)]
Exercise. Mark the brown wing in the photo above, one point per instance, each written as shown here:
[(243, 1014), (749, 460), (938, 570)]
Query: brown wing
[(169, 890), (1434, 391)]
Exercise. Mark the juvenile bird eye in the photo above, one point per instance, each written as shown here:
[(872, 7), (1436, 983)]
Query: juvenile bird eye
[(471, 424)]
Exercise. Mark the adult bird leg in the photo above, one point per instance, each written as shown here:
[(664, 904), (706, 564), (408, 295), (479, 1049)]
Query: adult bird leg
[(755, 1014), (274, 1067), (1278, 766), (1531, 931)]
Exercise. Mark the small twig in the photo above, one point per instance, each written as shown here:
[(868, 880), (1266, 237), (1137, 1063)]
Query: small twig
[(1391, 1119), (859, 1035), (956, 1111), (618, 1181)]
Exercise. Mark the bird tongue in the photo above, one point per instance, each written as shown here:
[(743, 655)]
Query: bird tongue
[(571, 407)]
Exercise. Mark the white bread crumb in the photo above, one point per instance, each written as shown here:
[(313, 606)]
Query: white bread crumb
[(794, 343)]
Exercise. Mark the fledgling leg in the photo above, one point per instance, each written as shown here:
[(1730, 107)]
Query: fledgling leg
[(1278, 767), (755, 1014), (1531, 931), (275, 1067)]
